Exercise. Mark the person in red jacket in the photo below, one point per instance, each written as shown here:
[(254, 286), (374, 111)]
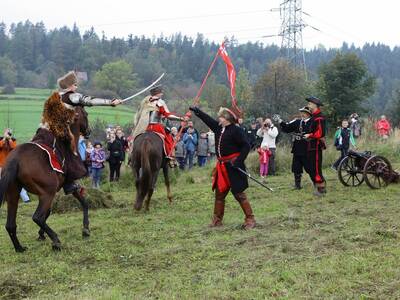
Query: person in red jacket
[(7, 143), (383, 127)]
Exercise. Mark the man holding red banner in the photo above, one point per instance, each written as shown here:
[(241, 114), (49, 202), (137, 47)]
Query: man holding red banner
[(232, 148)]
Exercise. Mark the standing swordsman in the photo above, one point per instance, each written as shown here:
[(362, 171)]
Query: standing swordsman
[(232, 148), (298, 127), (316, 144)]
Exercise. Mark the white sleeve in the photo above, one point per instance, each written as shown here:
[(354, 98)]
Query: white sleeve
[(77, 98), (273, 132)]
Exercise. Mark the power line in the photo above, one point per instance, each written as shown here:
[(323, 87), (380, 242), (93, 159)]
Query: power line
[(291, 31), (158, 20)]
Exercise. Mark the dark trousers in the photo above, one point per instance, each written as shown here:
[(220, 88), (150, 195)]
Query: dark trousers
[(315, 166), (189, 158), (201, 160), (271, 163), (299, 163), (114, 171), (343, 154), (181, 162)]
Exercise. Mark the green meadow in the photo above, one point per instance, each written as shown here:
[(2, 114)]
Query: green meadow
[(22, 112)]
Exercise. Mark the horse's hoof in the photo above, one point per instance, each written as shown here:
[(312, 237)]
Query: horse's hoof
[(20, 249), (56, 247), (85, 232), (41, 238)]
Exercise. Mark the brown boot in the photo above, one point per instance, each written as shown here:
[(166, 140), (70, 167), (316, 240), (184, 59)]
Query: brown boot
[(249, 221), (219, 208)]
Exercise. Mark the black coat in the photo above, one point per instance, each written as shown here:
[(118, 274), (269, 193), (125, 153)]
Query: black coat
[(116, 152), (252, 137), (232, 140), (298, 127)]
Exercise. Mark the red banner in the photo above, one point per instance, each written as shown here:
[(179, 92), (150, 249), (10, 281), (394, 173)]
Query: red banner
[(231, 73)]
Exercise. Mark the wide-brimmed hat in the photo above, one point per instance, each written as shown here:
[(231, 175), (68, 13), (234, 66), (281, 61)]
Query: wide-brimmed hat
[(67, 80), (306, 109), (156, 90), (314, 100)]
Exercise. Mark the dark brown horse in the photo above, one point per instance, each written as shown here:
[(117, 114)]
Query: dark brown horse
[(147, 159), (28, 166)]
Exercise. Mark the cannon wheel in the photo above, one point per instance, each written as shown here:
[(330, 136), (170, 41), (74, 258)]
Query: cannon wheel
[(348, 173), (378, 172)]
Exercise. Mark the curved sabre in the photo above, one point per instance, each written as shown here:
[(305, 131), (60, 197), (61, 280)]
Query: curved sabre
[(145, 89)]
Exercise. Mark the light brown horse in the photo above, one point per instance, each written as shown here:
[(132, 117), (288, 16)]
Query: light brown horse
[(147, 159), (28, 166)]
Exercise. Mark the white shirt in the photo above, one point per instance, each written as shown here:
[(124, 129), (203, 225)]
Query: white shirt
[(268, 136)]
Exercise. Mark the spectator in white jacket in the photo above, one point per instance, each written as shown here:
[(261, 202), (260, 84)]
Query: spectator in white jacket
[(269, 132)]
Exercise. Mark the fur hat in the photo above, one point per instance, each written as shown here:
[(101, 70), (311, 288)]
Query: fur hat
[(156, 90), (228, 114), (67, 80)]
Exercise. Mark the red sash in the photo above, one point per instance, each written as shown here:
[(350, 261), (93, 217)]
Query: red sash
[(220, 177)]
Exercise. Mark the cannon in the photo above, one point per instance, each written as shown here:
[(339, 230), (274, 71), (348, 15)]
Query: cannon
[(375, 170)]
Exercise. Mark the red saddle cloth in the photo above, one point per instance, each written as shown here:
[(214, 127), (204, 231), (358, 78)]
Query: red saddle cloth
[(162, 137), (53, 160)]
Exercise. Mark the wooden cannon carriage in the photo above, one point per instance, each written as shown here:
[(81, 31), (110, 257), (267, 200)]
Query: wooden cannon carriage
[(375, 170)]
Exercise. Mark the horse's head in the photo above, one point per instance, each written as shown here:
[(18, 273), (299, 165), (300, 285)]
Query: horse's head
[(81, 121)]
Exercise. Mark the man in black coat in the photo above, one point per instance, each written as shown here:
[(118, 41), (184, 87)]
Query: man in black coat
[(316, 144), (232, 148), (298, 127)]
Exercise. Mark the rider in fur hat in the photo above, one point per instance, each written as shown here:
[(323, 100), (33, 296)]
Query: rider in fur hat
[(68, 85)]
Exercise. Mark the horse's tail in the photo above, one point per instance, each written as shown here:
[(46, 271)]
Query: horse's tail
[(146, 176), (8, 175)]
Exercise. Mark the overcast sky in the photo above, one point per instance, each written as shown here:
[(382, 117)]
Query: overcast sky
[(353, 21)]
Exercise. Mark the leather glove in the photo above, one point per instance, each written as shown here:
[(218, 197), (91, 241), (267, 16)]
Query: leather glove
[(194, 109)]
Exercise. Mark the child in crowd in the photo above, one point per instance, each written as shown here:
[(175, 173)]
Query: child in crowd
[(98, 157), (264, 155), (343, 140)]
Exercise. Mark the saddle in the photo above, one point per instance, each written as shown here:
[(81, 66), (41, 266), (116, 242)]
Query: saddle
[(46, 141)]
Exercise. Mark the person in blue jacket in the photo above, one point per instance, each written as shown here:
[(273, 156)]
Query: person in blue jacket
[(190, 139)]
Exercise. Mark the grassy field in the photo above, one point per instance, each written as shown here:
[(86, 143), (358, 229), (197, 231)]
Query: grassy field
[(24, 110), (345, 245)]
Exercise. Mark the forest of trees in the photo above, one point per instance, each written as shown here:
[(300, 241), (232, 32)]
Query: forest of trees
[(32, 56)]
